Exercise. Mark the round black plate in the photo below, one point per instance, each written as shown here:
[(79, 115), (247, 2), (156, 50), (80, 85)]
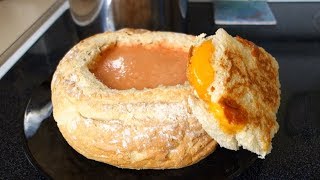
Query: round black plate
[(50, 153)]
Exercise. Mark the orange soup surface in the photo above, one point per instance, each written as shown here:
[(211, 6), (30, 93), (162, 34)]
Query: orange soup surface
[(126, 67)]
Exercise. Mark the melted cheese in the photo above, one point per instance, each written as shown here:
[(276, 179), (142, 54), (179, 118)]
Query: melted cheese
[(201, 74), (226, 117)]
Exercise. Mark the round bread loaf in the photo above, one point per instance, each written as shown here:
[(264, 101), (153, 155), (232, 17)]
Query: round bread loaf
[(151, 128)]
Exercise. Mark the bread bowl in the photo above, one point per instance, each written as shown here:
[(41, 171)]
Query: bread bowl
[(136, 128)]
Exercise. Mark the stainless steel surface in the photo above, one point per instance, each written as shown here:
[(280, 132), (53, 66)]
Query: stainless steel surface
[(243, 13), (84, 12), (110, 15)]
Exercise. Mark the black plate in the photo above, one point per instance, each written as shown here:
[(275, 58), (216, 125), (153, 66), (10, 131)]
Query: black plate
[(49, 152)]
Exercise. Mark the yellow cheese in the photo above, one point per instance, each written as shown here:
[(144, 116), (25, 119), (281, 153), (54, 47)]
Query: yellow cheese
[(201, 74)]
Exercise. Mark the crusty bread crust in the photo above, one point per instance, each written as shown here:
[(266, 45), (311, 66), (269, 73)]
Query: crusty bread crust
[(138, 129), (246, 79)]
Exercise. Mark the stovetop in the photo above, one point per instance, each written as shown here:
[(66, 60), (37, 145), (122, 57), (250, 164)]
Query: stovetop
[(296, 146)]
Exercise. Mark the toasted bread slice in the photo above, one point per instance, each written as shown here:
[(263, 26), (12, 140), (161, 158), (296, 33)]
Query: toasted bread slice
[(244, 95)]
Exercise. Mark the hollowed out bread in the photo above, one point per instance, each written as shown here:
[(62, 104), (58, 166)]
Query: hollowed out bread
[(138, 129), (246, 78)]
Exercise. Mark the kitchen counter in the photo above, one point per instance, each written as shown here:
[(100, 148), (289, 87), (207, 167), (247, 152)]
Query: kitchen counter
[(22, 23)]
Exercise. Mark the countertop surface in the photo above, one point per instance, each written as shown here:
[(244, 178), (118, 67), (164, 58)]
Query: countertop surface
[(17, 16), (22, 23), (296, 146)]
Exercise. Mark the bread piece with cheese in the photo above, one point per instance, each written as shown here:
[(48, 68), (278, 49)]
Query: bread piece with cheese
[(238, 92)]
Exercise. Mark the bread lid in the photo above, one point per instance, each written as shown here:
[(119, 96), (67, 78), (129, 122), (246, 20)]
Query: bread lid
[(238, 107)]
